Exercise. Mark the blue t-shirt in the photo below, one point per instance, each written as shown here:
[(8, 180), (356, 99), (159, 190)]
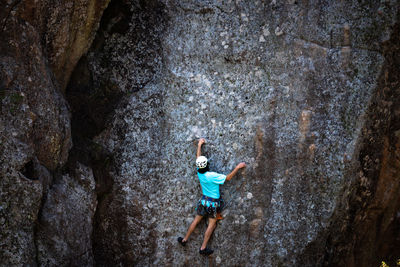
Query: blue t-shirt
[(210, 182)]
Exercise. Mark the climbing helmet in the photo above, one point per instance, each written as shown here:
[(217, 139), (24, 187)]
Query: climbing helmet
[(201, 162)]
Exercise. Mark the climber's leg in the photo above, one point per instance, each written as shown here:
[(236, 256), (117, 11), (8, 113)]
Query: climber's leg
[(196, 220), (212, 223)]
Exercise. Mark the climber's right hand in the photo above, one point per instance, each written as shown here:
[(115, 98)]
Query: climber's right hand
[(201, 141), (241, 165)]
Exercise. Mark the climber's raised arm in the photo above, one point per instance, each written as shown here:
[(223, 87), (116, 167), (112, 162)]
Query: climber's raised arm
[(201, 142), (211, 204), (237, 168)]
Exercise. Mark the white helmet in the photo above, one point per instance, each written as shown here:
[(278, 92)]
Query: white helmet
[(201, 162)]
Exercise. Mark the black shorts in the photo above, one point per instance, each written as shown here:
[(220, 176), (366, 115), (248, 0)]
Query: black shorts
[(209, 207)]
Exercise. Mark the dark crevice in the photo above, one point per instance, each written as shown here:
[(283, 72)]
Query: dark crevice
[(116, 17), (36, 229), (29, 171), (93, 101), (47, 183), (92, 104)]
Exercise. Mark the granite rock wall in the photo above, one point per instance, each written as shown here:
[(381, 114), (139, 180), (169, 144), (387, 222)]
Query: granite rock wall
[(97, 156), (283, 85)]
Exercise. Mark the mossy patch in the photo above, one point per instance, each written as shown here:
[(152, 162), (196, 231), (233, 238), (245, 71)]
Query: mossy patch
[(16, 98), (11, 99)]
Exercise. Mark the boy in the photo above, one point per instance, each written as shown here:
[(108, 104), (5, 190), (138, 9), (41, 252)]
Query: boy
[(210, 203)]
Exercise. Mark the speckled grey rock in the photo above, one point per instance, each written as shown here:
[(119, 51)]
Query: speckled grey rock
[(305, 92), (19, 208), (282, 85), (65, 225)]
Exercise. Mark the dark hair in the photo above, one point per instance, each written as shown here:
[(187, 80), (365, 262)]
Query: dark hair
[(203, 170)]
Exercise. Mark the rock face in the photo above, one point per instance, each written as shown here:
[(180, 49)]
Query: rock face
[(65, 226), (305, 92), (35, 127), (364, 227), (34, 134), (286, 87), (67, 29)]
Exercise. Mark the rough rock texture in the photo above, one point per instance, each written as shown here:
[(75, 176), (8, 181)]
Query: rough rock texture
[(34, 133), (65, 226), (365, 227), (306, 92), (20, 204), (287, 86), (35, 130), (67, 29)]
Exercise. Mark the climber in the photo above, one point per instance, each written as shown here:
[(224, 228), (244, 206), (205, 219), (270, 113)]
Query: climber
[(210, 204)]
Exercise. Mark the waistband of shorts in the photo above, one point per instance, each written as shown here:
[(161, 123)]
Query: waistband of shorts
[(210, 198)]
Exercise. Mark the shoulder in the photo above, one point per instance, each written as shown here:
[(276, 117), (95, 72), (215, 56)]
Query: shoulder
[(213, 174)]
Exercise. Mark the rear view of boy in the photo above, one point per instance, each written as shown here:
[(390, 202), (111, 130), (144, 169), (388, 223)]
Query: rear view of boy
[(210, 204)]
